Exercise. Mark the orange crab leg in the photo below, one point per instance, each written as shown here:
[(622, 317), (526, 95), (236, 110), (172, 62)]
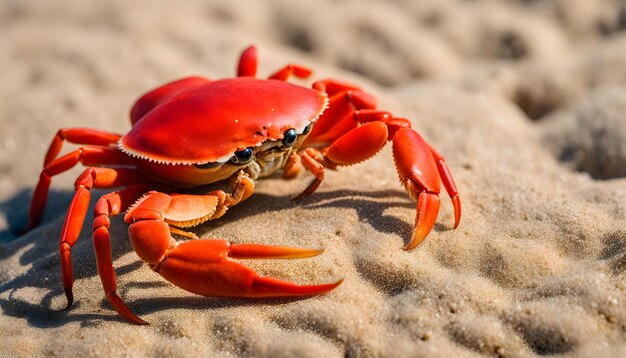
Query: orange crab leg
[(292, 167), (248, 62), (314, 167), (332, 86), (392, 123), (353, 147), (91, 177), (339, 118), (359, 98), (107, 206), (338, 115), (78, 136), (71, 230), (291, 70), (86, 155), (448, 183)]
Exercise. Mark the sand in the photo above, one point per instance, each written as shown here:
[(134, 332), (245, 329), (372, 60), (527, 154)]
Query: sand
[(526, 99)]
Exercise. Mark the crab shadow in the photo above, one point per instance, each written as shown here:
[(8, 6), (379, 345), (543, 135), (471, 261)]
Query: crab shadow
[(15, 211), (38, 250), (369, 206)]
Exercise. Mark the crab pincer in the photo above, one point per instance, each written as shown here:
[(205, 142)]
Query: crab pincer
[(203, 266), (422, 178)]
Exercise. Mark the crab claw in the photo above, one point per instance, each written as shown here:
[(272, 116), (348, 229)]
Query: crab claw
[(419, 173), (204, 267), (427, 210)]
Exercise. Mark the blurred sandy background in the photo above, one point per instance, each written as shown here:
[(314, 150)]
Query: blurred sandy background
[(526, 99)]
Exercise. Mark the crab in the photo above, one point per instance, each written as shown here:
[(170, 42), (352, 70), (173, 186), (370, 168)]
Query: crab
[(195, 132)]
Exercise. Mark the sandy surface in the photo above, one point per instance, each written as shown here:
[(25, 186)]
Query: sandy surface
[(527, 100)]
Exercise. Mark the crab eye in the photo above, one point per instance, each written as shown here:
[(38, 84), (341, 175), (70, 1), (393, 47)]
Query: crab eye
[(242, 156), (307, 129), (290, 138)]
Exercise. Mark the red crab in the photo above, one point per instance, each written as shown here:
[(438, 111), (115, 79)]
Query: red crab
[(194, 132)]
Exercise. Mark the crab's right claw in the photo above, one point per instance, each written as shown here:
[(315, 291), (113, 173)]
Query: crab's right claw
[(205, 267)]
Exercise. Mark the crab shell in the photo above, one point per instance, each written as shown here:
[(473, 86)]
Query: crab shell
[(208, 123)]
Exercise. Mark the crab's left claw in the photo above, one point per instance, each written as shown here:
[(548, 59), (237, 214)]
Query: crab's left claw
[(422, 170)]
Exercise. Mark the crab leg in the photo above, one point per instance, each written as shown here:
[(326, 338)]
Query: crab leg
[(392, 123), (353, 147), (248, 62), (107, 206), (292, 166), (359, 98), (87, 155), (78, 136), (291, 70), (332, 86), (314, 167), (448, 183), (90, 178), (335, 121), (338, 119)]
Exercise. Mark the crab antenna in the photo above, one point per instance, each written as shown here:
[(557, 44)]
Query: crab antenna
[(247, 62)]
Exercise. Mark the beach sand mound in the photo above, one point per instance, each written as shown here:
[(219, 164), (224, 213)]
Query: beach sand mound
[(525, 99)]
